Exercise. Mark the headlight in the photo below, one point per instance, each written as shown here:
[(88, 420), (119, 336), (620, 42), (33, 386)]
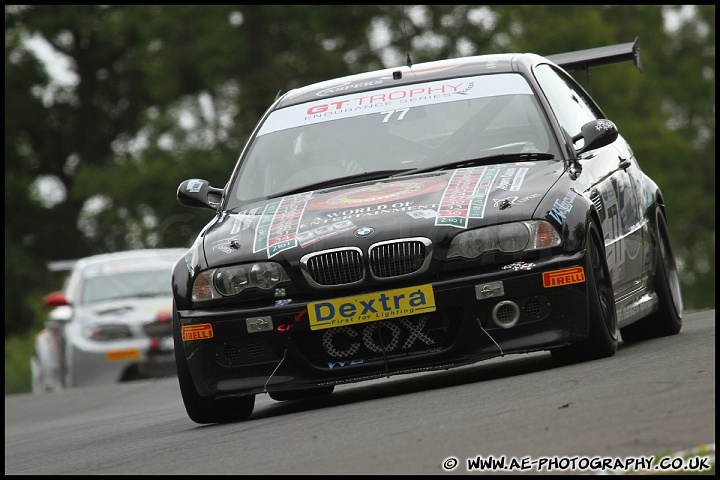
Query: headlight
[(229, 281), (507, 238), (107, 332)]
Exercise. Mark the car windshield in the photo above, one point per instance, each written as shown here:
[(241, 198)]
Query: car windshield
[(104, 282), (392, 130)]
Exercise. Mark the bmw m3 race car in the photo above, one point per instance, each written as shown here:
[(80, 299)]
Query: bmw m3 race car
[(110, 324), (421, 218)]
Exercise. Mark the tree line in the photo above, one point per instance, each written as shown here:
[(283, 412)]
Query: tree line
[(157, 94)]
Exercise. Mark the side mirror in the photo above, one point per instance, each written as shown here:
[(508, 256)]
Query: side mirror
[(199, 193), (55, 299), (596, 134)]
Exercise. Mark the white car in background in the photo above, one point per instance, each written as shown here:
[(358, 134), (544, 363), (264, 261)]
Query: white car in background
[(110, 323)]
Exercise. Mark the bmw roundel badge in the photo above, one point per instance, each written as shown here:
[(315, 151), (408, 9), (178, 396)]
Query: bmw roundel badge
[(364, 231)]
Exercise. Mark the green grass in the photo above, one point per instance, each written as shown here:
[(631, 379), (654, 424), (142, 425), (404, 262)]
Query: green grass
[(18, 351)]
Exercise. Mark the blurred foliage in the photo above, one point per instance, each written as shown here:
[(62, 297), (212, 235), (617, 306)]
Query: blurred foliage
[(162, 93)]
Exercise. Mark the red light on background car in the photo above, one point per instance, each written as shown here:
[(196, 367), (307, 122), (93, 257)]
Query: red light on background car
[(55, 299)]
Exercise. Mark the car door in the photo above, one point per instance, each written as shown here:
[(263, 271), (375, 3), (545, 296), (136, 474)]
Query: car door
[(610, 176)]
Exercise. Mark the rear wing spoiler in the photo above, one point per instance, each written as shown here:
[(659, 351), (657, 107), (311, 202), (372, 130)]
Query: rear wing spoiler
[(595, 57)]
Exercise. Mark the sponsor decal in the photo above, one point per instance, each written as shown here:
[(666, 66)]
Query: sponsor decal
[(562, 207), (332, 365), (371, 307), (511, 179), (380, 192), (194, 185), (277, 230), (500, 202), (349, 86), (519, 266), (400, 336), (466, 196), (120, 355), (357, 103), (244, 220), (227, 245), (424, 213), (566, 276), (201, 331), (642, 306)]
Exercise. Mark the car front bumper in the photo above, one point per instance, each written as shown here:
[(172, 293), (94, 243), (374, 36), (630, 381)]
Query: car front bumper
[(92, 363), (521, 309)]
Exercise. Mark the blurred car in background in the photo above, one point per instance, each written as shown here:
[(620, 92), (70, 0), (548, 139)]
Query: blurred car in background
[(110, 323)]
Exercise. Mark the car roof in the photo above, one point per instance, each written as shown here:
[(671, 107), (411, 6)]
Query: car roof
[(463, 66), (403, 75), (131, 254)]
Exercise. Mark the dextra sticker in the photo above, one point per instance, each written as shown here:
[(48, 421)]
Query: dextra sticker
[(465, 196), (371, 307), (201, 331), (566, 276)]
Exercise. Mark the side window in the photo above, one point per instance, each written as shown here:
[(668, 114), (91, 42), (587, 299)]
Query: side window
[(568, 101)]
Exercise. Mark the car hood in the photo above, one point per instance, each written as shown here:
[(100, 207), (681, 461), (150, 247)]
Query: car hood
[(435, 205), (126, 310)]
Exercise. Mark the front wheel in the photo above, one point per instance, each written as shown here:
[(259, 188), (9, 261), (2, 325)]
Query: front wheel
[(202, 409), (667, 320), (603, 339)]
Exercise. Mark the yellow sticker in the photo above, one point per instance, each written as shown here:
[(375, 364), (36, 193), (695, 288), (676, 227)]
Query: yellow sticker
[(117, 355), (371, 307)]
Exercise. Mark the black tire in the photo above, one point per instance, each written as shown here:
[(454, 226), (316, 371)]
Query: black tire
[(667, 320), (203, 409), (604, 333), (287, 395)]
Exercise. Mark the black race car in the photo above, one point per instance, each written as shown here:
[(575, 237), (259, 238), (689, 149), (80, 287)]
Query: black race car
[(421, 218)]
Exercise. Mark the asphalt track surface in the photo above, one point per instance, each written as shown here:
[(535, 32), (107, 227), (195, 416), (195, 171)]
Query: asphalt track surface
[(651, 399)]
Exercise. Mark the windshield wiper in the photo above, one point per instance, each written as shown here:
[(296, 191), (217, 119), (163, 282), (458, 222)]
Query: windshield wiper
[(479, 161), (358, 177)]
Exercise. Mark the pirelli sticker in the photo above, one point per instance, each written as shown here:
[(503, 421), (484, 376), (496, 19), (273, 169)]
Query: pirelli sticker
[(566, 276), (201, 331)]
